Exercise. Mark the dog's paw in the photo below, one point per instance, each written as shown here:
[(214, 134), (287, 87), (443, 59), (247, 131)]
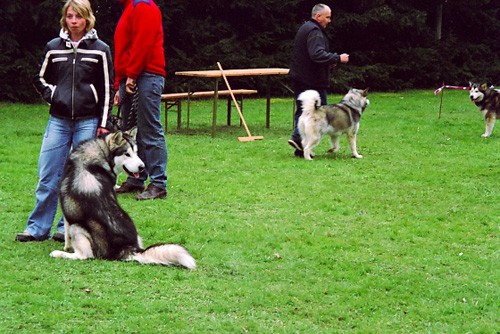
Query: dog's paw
[(485, 135), (57, 253), (358, 156)]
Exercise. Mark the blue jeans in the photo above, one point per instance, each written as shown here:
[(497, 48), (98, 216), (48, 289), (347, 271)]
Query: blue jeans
[(297, 89), (60, 135), (151, 145)]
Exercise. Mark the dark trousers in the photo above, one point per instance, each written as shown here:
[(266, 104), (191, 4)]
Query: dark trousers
[(298, 88)]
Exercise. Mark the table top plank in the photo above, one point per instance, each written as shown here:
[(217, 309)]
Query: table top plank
[(234, 72)]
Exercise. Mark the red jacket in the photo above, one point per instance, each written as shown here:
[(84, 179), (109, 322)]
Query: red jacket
[(139, 41)]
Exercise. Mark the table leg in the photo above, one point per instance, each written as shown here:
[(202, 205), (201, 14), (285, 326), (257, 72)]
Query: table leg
[(166, 116), (268, 103), (229, 111), (214, 111), (189, 107)]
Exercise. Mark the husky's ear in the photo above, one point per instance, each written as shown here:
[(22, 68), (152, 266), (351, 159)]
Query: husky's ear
[(132, 132), (483, 87), (117, 136), (365, 92)]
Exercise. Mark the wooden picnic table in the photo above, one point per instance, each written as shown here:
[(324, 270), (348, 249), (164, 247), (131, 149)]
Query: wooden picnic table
[(217, 74)]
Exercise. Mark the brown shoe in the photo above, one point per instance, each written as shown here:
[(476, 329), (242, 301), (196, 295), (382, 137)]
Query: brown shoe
[(152, 192), (127, 188)]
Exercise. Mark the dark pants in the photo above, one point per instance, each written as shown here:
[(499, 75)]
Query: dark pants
[(152, 148), (297, 89)]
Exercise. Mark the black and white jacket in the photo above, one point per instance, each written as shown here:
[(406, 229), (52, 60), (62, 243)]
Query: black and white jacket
[(77, 82)]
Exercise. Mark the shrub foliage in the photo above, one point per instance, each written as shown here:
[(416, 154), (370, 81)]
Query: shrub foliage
[(393, 44)]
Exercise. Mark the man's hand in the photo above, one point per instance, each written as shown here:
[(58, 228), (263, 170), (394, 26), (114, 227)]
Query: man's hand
[(130, 86)]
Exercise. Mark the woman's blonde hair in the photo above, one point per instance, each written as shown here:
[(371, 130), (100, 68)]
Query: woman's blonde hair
[(83, 8)]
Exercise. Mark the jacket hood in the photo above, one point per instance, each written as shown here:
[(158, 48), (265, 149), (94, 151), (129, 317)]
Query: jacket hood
[(92, 34)]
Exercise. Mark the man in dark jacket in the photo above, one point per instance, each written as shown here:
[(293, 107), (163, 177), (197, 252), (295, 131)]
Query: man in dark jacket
[(311, 62)]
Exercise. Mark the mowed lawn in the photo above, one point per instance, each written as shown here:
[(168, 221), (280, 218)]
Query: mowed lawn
[(404, 240)]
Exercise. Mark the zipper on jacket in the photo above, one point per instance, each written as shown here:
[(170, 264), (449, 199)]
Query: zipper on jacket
[(75, 51)]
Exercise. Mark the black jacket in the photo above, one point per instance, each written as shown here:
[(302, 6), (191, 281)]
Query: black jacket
[(311, 58), (77, 82)]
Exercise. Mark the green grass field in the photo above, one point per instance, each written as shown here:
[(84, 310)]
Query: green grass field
[(404, 240)]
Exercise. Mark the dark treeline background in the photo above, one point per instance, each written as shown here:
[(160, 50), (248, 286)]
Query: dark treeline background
[(393, 44)]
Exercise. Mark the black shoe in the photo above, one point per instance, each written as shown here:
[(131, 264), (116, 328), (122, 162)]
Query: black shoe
[(152, 192), (127, 188), (25, 237), (58, 236), (295, 144)]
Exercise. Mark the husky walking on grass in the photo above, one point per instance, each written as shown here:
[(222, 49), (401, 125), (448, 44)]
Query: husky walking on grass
[(317, 121), (487, 101), (95, 224)]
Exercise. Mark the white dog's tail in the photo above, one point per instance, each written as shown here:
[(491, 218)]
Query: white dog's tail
[(310, 101), (165, 254)]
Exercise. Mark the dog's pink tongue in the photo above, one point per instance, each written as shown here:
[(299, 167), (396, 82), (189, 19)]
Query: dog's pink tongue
[(136, 175)]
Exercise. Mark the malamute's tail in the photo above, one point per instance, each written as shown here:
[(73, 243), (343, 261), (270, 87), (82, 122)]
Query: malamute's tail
[(165, 254), (310, 101)]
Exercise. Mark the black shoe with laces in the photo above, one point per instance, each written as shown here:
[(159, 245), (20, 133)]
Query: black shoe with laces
[(127, 188), (296, 144), (25, 237)]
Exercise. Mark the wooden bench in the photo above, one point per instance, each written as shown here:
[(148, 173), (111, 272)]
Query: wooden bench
[(175, 99)]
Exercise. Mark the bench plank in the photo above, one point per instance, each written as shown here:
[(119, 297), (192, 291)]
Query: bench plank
[(174, 99), (177, 96)]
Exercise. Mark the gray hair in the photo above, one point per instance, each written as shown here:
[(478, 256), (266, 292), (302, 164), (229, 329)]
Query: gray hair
[(318, 9)]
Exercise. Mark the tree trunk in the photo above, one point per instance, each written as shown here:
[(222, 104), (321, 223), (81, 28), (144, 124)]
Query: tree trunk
[(439, 21)]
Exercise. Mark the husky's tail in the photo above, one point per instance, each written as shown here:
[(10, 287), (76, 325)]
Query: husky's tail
[(310, 101), (165, 254)]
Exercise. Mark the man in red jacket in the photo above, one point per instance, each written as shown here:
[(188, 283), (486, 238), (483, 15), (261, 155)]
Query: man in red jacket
[(140, 66)]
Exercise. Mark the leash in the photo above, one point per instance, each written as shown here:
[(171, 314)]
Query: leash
[(132, 115), (441, 90), (437, 91)]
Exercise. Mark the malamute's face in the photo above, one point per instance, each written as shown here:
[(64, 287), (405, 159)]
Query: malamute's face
[(476, 93), (125, 156)]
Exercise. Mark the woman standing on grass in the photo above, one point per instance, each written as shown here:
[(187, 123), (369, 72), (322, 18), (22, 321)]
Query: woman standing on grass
[(75, 78)]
